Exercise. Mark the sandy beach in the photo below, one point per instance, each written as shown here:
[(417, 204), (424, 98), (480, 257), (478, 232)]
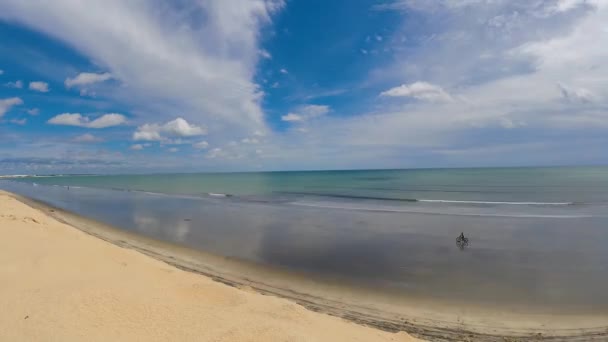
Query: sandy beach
[(58, 283)]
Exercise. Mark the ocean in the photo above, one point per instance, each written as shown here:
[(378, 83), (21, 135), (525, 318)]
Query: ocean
[(537, 236)]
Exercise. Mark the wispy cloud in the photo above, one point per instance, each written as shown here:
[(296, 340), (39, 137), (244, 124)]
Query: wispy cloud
[(7, 104), (305, 113), (201, 145), (419, 90), (17, 84), (87, 138), (87, 78), (20, 122)]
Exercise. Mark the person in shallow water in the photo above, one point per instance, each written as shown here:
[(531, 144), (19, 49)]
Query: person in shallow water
[(462, 241)]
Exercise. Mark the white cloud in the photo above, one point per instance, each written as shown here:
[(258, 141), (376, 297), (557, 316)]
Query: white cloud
[(17, 84), (147, 132), (305, 113), (419, 90), (177, 128), (1, 71), (284, 71), (7, 104), (173, 149), (199, 60), (87, 138), (87, 78), (108, 120), (201, 145), (67, 119), (40, 86), (137, 147), (291, 117), (181, 128), (33, 111), (566, 5), (18, 121), (265, 54), (76, 119)]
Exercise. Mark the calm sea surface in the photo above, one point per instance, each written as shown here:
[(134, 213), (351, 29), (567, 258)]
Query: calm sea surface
[(538, 236)]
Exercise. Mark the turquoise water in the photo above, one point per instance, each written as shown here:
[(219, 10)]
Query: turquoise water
[(542, 185)]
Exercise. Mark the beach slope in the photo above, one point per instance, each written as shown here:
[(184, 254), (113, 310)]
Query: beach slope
[(58, 283)]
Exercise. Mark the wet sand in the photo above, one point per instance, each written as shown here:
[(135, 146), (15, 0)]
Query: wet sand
[(63, 284), (387, 311)]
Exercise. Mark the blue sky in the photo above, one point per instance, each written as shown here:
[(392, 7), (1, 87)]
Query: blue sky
[(234, 85)]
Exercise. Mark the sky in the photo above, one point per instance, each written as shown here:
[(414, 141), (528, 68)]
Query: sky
[(118, 86)]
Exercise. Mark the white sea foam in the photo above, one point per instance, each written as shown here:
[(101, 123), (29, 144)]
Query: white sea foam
[(213, 194), (430, 212), (494, 202)]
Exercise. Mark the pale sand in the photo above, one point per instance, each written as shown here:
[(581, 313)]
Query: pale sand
[(58, 283)]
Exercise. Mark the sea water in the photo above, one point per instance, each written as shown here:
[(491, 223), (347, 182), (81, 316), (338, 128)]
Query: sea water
[(538, 236)]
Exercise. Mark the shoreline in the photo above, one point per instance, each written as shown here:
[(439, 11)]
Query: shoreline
[(417, 318)]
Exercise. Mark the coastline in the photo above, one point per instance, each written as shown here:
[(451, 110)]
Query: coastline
[(384, 313)]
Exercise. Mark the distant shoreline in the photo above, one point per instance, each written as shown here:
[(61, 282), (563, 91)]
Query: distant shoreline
[(426, 322), (310, 170)]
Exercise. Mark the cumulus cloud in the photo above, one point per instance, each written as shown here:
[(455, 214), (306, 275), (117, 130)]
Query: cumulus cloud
[(148, 132), (107, 120), (7, 104), (33, 111), (201, 145), (181, 128), (419, 90), (17, 84), (40, 86), (137, 147), (87, 138), (77, 119), (87, 78), (177, 128), (305, 113)]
